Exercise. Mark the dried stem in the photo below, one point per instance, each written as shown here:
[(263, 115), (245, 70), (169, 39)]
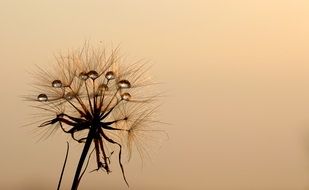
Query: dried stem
[(85, 151), (63, 167)]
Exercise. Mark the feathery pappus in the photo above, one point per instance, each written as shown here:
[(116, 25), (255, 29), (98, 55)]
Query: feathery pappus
[(98, 100)]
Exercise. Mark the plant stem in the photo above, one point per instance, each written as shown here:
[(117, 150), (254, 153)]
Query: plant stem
[(63, 167), (86, 148)]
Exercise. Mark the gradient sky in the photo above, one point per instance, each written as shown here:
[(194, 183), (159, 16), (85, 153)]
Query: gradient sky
[(235, 72)]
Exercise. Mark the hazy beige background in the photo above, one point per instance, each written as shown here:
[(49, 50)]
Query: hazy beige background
[(237, 75)]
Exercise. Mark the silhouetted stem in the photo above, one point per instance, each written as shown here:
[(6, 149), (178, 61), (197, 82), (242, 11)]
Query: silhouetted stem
[(63, 167), (83, 157)]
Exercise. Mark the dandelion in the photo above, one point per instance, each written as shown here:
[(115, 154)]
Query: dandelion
[(99, 102)]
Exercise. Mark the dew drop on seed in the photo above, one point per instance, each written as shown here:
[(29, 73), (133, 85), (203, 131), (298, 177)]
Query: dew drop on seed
[(42, 98), (124, 84), (69, 96), (93, 74), (57, 84), (83, 76), (126, 96), (110, 75), (102, 87)]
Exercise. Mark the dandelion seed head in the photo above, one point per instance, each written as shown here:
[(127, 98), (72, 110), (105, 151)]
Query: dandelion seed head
[(117, 101)]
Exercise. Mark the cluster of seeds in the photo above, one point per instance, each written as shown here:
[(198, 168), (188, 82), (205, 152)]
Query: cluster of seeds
[(93, 75), (91, 98)]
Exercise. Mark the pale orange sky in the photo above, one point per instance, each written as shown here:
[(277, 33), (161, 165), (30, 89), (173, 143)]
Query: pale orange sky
[(236, 73)]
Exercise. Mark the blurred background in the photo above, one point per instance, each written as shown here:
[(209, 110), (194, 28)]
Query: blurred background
[(236, 76)]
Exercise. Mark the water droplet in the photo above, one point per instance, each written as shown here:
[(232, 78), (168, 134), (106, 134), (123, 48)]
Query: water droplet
[(42, 98), (57, 84), (126, 96), (110, 75), (103, 87), (124, 84), (83, 76), (69, 96), (93, 74)]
